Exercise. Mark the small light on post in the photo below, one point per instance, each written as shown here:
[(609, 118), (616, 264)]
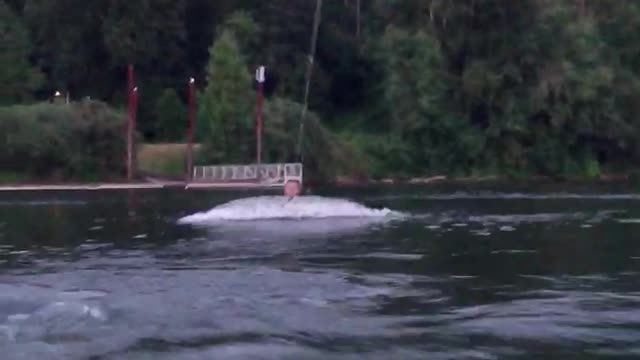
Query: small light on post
[(260, 74), (57, 98)]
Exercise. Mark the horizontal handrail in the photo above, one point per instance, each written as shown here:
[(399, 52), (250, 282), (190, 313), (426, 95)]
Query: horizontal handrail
[(272, 173)]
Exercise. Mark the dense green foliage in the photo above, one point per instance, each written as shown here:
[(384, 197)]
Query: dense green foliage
[(400, 87), (59, 141), (17, 76), (170, 116), (225, 103)]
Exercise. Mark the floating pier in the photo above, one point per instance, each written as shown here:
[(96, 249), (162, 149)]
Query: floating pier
[(85, 187), (255, 176)]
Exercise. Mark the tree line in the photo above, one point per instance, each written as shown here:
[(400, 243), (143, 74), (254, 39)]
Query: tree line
[(400, 88)]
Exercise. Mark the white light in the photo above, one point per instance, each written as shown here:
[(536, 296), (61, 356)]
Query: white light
[(260, 74), (135, 88), (192, 80), (57, 93)]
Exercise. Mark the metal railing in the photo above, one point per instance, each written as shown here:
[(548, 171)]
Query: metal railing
[(271, 174)]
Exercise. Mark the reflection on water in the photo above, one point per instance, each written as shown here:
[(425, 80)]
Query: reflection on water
[(107, 276)]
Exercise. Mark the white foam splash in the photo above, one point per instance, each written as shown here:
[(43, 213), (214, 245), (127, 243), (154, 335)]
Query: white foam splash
[(628, 221), (282, 207), (67, 309)]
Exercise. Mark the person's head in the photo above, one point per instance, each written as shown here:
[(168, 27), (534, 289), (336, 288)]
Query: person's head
[(292, 188)]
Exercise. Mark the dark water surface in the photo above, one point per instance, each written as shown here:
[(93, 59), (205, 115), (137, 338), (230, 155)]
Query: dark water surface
[(460, 275)]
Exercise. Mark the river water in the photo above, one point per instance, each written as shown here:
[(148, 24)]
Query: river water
[(391, 273)]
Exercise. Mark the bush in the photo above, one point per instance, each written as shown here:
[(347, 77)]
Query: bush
[(325, 155), (62, 141)]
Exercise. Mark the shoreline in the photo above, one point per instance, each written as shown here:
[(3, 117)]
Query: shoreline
[(118, 184), (154, 184), (442, 179), (80, 187)]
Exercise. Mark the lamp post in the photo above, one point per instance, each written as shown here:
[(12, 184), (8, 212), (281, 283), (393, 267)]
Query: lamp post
[(130, 121), (190, 126), (57, 97), (260, 78)]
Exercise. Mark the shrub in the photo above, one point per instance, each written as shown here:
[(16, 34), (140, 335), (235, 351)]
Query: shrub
[(62, 141), (325, 155)]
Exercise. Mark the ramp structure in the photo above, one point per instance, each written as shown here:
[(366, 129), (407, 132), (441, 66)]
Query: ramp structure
[(246, 176), (286, 176)]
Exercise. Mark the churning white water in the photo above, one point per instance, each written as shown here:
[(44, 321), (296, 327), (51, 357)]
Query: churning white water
[(283, 207)]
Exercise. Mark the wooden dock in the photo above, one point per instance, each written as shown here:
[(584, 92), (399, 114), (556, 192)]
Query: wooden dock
[(84, 187), (255, 176), (224, 177)]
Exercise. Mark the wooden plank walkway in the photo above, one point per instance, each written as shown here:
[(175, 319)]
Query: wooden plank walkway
[(85, 187), (140, 186)]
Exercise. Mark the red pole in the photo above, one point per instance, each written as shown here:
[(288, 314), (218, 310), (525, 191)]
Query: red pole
[(130, 121), (133, 132), (259, 123), (190, 126), (260, 79)]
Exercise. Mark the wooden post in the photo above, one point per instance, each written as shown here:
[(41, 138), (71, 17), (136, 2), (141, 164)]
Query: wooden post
[(190, 127), (358, 19), (130, 123), (582, 9), (260, 78), (134, 126)]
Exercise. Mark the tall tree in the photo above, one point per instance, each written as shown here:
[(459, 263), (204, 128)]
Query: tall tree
[(202, 17), (69, 45), (17, 75), (148, 33), (225, 103)]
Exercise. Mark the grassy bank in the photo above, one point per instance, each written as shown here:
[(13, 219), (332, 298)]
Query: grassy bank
[(164, 160)]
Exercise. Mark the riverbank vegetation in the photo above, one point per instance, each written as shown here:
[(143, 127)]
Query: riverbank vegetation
[(400, 88), (80, 141)]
